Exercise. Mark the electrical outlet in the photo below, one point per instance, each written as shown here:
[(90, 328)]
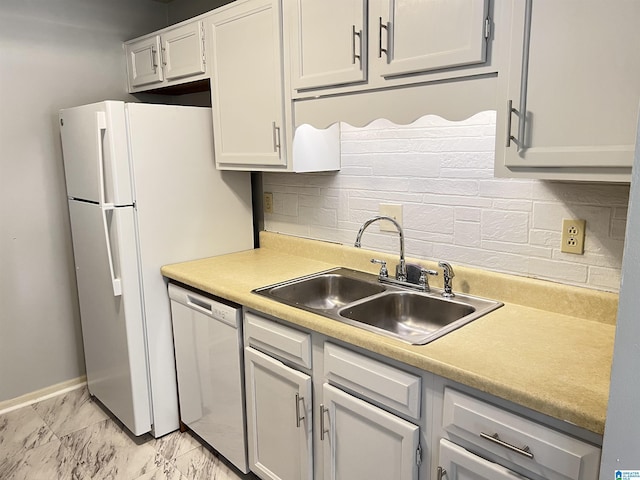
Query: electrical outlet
[(392, 210), (573, 236), (268, 202)]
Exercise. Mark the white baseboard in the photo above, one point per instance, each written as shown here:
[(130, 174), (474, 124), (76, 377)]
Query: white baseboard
[(42, 394)]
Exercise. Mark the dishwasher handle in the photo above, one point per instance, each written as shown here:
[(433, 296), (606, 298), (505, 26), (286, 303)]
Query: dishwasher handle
[(197, 304), (206, 306)]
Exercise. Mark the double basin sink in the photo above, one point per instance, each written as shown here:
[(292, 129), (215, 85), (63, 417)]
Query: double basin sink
[(357, 298)]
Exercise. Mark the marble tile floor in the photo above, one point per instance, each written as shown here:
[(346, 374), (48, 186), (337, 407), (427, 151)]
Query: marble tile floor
[(70, 436)]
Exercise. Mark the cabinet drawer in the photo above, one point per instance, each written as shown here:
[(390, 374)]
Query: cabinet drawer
[(389, 386), (285, 343), (539, 449)]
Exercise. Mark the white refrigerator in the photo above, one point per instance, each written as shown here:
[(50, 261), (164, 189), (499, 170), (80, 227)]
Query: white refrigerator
[(143, 192)]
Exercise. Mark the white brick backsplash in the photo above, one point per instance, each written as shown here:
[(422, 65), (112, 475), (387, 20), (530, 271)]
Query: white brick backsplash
[(465, 214), (453, 208), (557, 270), (467, 234), (518, 248), (413, 165), (505, 226), (607, 278), (618, 228), (505, 188), (545, 238), (325, 217), (513, 204), (468, 160), (285, 204), (428, 218), (444, 186)]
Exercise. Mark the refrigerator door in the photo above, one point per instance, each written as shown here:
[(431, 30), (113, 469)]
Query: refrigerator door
[(104, 249), (186, 209), (94, 144)]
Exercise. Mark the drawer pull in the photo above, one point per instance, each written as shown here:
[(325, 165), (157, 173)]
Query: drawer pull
[(496, 439), (441, 473)]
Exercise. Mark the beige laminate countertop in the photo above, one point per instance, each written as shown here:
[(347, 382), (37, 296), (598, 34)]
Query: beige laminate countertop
[(524, 352)]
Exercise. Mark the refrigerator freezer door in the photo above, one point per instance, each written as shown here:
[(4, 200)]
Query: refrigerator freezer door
[(112, 324), (96, 161)]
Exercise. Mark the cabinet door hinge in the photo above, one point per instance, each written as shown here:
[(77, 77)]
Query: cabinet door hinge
[(487, 27), (419, 455)]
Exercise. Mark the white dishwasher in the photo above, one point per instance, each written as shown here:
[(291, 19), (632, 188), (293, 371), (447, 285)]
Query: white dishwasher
[(207, 336)]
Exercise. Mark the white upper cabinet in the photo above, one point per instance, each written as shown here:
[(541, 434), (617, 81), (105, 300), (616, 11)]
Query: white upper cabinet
[(246, 85), (143, 62), (183, 51), (329, 48), (428, 35), (568, 99), (341, 42), (169, 57)]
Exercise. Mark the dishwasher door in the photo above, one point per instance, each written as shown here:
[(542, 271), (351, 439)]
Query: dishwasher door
[(207, 337)]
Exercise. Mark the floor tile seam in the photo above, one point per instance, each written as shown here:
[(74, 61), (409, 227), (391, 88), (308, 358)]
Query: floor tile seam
[(44, 421)]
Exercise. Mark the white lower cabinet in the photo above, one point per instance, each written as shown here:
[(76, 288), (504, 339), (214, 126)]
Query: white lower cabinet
[(279, 418), (518, 443), (318, 410), (363, 441), (456, 463)]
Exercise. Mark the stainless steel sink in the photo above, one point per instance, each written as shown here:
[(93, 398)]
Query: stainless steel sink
[(326, 291), (356, 298)]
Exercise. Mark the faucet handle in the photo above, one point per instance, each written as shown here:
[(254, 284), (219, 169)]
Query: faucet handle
[(383, 267), (448, 274), (423, 281)]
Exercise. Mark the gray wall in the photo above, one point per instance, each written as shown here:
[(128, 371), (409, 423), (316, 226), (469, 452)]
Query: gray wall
[(180, 10), (621, 447), (53, 54)]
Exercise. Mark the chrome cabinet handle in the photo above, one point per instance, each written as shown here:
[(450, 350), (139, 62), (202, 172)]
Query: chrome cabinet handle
[(525, 451), (298, 417), (322, 428), (510, 112), (382, 26), (441, 473), (355, 33), (163, 56), (524, 78), (276, 137), (154, 59)]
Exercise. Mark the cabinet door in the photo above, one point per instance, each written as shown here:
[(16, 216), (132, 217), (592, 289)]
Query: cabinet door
[(279, 419), (456, 463), (246, 85), (183, 51), (143, 62), (412, 36), (363, 441), (572, 79), (328, 42)]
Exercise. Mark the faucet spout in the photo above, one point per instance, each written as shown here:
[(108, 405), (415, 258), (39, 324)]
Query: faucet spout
[(401, 271)]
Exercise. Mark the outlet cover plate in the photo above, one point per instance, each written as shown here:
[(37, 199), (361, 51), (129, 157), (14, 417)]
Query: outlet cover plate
[(573, 231), (268, 202), (392, 210)]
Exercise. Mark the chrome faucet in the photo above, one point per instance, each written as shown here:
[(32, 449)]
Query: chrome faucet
[(401, 270), (448, 275)]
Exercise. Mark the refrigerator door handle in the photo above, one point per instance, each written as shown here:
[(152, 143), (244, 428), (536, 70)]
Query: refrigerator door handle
[(101, 126), (115, 282)]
